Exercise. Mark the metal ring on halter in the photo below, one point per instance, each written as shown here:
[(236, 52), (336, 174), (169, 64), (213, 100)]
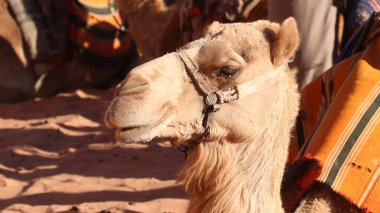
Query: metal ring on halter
[(212, 101)]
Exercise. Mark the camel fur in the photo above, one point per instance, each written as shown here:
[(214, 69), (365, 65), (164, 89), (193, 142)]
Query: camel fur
[(197, 16), (153, 24), (321, 198), (239, 166)]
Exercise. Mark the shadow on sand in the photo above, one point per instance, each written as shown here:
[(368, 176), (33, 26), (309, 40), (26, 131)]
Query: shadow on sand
[(36, 146)]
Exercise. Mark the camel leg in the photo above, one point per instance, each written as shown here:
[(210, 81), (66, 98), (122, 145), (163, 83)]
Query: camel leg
[(16, 80)]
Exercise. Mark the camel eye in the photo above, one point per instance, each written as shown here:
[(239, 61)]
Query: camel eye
[(225, 72)]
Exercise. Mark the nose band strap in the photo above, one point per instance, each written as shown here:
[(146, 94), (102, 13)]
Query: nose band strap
[(263, 82), (239, 91)]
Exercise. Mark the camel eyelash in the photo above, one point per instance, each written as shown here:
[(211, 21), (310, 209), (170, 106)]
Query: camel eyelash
[(225, 72)]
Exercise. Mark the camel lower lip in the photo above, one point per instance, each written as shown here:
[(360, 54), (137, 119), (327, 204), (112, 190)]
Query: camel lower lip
[(142, 134)]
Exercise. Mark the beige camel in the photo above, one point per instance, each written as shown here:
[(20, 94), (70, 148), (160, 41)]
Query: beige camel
[(238, 166)]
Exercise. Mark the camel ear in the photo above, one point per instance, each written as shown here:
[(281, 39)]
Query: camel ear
[(286, 42)]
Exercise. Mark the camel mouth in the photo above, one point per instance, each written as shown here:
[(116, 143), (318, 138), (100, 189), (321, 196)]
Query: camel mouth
[(143, 133)]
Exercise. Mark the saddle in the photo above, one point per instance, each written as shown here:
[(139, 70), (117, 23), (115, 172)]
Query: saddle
[(97, 32), (89, 29)]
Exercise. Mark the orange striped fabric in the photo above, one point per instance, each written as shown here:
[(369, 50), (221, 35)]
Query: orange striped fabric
[(343, 126), (97, 29), (316, 99)]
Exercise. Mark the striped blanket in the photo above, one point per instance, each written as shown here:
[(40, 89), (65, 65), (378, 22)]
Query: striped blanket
[(98, 32), (341, 120)]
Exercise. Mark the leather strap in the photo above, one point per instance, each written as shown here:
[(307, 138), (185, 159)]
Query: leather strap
[(213, 98)]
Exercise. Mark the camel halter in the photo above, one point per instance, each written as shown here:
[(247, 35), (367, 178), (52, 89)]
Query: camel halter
[(214, 98)]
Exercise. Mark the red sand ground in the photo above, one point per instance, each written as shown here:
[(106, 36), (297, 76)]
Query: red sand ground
[(57, 156)]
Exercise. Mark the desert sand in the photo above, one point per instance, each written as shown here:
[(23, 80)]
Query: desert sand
[(56, 155)]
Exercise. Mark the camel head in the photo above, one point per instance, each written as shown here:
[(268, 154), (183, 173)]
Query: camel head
[(161, 99)]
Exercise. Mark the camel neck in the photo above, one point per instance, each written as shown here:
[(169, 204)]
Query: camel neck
[(225, 177), (147, 18), (243, 172)]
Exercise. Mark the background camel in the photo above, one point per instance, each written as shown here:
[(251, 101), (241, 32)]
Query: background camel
[(155, 26), (148, 21), (178, 23), (239, 166), (196, 16)]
